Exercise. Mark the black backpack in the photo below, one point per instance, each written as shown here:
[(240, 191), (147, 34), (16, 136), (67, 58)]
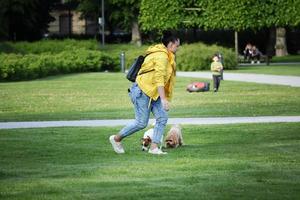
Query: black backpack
[(136, 66)]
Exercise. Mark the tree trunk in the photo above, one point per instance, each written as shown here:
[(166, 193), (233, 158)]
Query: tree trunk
[(136, 34), (280, 46)]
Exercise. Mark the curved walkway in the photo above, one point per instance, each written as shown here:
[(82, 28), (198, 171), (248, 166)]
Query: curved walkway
[(122, 122), (255, 78)]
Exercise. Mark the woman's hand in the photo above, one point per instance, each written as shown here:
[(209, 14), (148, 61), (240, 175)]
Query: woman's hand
[(164, 101), (165, 104)]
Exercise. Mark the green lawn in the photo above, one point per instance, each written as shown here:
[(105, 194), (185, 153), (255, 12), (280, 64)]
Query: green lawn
[(289, 58), (104, 96), (246, 161), (290, 70), (242, 161)]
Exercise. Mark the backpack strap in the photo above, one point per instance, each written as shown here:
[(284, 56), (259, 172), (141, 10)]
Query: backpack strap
[(140, 73)]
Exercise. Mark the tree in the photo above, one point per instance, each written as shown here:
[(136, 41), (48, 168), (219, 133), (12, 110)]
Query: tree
[(283, 13), (125, 15), (120, 13), (24, 19), (235, 15)]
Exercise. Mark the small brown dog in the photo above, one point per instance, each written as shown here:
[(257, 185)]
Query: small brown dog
[(174, 137)]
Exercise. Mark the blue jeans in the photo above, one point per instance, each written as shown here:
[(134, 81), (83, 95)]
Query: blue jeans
[(142, 110)]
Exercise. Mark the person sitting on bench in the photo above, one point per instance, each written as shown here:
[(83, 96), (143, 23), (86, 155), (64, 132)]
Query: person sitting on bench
[(255, 55)]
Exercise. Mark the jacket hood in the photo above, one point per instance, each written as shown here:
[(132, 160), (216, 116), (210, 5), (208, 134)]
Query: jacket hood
[(158, 47)]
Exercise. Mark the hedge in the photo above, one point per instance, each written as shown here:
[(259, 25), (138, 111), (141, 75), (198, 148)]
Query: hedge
[(198, 56), (25, 60), (32, 66), (50, 46), (189, 57)]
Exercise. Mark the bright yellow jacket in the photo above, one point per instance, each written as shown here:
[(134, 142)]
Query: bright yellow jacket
[(158, 69)]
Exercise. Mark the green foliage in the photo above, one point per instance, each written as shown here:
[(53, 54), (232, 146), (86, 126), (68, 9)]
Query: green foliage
[(89, 7), (231, 14), (219, 14), (281, 13), (198, 56), (25, 60), (131, 52), (31, 66), (118, 13), (190, 57), (160, 15), (50, 46), (124, 13)]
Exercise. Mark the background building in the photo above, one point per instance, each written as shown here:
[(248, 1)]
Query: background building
[(68, 21)]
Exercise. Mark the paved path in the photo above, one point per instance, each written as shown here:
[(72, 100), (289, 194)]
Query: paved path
[(256, 78), (122, 122)]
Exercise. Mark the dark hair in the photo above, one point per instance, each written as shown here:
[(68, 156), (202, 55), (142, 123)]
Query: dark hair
[(168, 37), (216, 55)]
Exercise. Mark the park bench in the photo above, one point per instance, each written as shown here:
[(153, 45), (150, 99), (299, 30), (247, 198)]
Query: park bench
[(263, 59)]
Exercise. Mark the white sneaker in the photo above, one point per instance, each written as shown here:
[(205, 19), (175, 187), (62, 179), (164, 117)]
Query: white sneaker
[(117, 146), (252, 62), (157, 151), (258, 62)]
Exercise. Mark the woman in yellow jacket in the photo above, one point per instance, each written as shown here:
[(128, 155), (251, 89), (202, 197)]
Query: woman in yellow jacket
[(152, 92)]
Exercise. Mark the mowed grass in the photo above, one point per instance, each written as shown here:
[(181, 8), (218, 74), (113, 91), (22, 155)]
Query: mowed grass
[(104, 96), (245, 161), (272, 69), (288, 58)]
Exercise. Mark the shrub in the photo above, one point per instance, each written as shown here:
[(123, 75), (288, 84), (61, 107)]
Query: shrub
[(197, 56), (25, 60), (51, 46), (31, 66), (190, 57)]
